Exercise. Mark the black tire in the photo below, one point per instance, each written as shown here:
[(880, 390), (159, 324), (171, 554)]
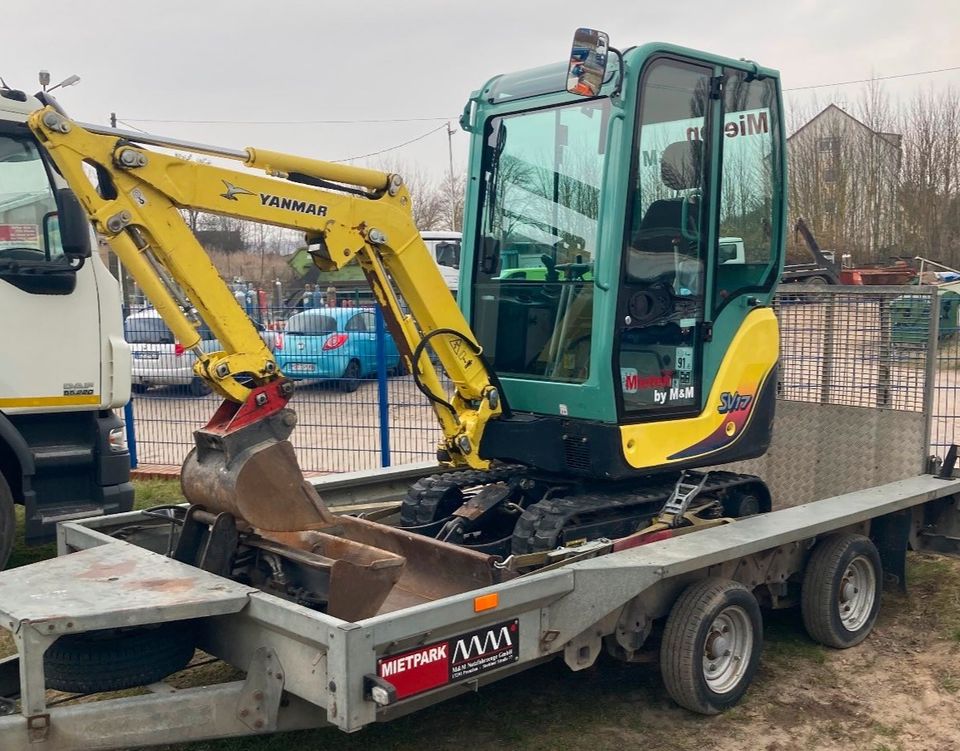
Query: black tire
[(8, 522), (400, 369), (694, 627), (816, 281), (739, 505), (199, 387), (139, 388), (350, 381), (115, 659), (840, 595)]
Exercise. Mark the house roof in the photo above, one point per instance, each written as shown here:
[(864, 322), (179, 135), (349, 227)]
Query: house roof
[(892, 139)]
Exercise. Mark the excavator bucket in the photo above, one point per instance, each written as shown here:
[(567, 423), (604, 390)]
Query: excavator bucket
[(243, 464)]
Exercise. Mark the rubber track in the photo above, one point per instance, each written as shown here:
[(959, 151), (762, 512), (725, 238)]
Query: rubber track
[(541, 524), (425, 496)]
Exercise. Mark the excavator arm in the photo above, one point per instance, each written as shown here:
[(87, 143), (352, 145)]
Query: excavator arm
[(134, 194)]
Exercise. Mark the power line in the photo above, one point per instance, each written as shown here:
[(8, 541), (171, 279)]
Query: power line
[(875, 78), (288, 122), (129, 125), (393, 148)]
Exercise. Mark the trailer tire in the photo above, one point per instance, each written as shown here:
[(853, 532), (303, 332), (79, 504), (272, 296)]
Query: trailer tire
[(816, 281), (711, 645), (116, 659), (8, 522), (840, 593)]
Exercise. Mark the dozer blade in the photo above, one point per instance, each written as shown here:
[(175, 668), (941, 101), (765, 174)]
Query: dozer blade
[(244, 465)]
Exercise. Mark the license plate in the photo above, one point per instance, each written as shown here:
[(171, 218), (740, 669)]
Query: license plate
[(301, 367), (146, 355)]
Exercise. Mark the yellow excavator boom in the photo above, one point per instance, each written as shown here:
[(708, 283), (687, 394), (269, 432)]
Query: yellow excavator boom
[(243, 462)]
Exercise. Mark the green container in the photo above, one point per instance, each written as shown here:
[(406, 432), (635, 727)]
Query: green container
[(909, 315)]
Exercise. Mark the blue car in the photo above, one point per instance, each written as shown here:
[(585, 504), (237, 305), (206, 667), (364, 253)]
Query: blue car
[(333, 344)]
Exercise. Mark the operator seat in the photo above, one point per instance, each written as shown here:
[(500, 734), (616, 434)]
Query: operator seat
[(653, 244)]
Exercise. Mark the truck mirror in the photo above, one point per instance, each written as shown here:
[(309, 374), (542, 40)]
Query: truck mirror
[(73, 225), (588, 62)]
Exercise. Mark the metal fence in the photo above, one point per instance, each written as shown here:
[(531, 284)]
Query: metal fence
[(872, 347)]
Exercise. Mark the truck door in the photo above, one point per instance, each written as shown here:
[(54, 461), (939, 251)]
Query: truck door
[(49, 312)]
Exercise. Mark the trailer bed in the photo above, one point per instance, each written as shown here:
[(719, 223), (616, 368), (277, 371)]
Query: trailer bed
[(329, 666)]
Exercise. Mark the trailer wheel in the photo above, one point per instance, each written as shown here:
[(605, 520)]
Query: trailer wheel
[(816, 281), (8, 522), (840, 594), (711, 645), (115, 659)]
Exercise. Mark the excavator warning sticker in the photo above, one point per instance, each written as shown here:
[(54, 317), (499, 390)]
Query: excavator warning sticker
[(454, 659)]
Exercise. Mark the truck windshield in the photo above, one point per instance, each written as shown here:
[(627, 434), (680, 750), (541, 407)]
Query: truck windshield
[(533, 275), (28, 226)]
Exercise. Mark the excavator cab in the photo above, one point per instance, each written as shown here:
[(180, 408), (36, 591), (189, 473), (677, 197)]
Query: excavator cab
[(624, 339)]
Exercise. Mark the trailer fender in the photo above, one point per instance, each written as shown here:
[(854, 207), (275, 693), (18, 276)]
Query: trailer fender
[(890, 534)]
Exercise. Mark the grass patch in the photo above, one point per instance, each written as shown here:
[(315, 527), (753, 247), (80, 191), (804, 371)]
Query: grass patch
[(933, 584), (786, 644), (155, 492)]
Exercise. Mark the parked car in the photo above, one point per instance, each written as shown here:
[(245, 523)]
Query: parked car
[(333, 343), (160, 360)]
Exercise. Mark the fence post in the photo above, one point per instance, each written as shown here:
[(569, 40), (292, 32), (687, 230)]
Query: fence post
[(885, 352), (383, 397), (931, 401), (826, 368), (131, 432)]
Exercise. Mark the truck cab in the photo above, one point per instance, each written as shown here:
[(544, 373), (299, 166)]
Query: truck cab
[(444, 246), (66, 366)]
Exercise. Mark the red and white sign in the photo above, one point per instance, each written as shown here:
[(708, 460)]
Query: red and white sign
[(19, 236), (454, 659)]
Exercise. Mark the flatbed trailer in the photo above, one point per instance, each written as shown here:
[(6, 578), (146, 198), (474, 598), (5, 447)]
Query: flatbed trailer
[(304, 668)]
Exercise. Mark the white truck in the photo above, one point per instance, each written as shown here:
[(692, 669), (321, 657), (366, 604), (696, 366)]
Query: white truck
[(66, 366), (444, 246)]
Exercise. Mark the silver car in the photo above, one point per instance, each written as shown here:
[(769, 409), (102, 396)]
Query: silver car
[(160, 360)]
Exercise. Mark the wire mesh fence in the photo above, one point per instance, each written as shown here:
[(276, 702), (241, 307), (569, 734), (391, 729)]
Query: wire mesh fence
[(871, 347), (357, 407), (855, 346)]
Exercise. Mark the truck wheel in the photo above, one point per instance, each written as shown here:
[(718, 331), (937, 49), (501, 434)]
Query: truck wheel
[(711, 645), (116, 659), (840, 594), (816, 281), (8, 522)]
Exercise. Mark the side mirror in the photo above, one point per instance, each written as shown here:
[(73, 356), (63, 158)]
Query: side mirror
[(74, 226), (588, 62)]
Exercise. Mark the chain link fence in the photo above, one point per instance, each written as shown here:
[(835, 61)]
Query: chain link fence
[(870, 347)]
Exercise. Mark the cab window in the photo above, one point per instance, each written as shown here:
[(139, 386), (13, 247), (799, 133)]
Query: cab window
[(749, 198), (28, 209), (533, 280)]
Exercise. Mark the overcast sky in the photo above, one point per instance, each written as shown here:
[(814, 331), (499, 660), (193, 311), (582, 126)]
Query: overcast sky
[(295, 60)]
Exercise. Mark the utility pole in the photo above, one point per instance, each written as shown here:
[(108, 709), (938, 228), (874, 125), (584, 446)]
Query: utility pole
[(453, 187)]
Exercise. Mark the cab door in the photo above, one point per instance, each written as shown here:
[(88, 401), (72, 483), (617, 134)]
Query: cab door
[(661, 325)]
